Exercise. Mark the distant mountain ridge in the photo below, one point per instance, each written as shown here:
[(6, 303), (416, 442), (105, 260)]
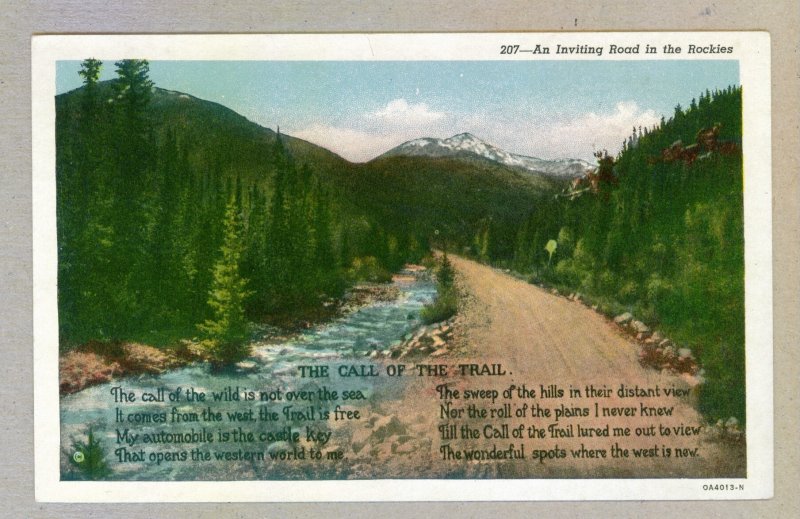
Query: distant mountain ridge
[(467, 145)]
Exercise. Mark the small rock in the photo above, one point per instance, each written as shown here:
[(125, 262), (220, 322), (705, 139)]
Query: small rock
[(404, 448), (381, 451), (732, 423), (279, 447), (640, 327), (247, 366), (691, 380), (685, 353), (361, 437), (623, 319), (404, 438), (387, 426)]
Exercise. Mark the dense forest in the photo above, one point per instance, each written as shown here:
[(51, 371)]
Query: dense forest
[(659, 233), (178, 218), (167, 228)]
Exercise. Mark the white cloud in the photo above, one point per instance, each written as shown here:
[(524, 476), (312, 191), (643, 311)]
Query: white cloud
[(363, 138), (594, 131), (400, 112)]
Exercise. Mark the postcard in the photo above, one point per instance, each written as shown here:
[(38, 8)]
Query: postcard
[(393, 267)]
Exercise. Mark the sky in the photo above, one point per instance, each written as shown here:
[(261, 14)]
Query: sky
[(360, 109)]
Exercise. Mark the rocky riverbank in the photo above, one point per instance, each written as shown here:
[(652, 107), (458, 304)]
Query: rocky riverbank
[(98, 362), (434, 340)]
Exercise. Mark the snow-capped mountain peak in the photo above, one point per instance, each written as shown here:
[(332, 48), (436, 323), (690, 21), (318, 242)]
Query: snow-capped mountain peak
[(466, 145)]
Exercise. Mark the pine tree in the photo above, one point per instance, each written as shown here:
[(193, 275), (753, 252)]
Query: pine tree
[(446, 274), (226, 332)]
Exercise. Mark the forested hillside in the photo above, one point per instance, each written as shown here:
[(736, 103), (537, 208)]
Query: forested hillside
[(145, 177), (179, 217), (447, 199), (658, 231), (173, 211)]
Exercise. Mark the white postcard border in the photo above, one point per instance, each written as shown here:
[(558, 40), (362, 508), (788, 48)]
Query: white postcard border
[(751, 49)]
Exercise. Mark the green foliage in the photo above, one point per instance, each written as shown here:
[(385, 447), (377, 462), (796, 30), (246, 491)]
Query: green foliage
[(134, 87), (368, 269), (226, 333), (446, 303), (550, 247), (445, 276), (444, 307), (144, 177), (663, 239), (474, 205), (89, 458)]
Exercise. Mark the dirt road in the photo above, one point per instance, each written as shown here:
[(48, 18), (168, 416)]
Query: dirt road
[(550, 344)]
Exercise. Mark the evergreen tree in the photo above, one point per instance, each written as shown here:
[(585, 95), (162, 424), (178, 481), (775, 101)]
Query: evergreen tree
[(446, 274), (226, 332)]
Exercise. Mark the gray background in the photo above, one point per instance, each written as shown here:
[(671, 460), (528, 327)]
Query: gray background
[(20, 20)]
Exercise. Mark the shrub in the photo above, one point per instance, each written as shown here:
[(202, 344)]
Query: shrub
[(446, 303), (89, 458), (368, 268), (444, 307)]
